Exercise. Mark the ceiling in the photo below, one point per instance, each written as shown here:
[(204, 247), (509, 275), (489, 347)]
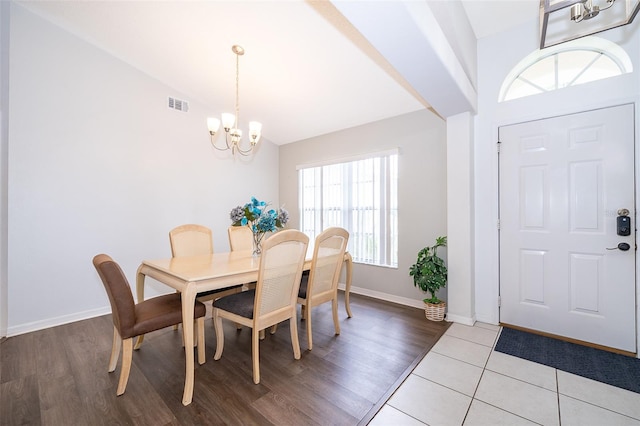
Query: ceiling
[(307, 70)]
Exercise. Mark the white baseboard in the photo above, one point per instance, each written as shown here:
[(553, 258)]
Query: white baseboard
[(407, 302), (79, 316), (461, 319), (53, 322), (385, 296)]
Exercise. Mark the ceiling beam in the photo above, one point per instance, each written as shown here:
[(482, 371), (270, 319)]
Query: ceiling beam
[(408, 35)]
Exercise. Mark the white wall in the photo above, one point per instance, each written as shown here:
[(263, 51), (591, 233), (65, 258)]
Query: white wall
[(4, 102), (422, 202), (497, 56), (98, 163), (460, 219)]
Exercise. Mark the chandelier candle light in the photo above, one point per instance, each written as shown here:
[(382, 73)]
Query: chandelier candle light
[(230, 124), (256, 215)]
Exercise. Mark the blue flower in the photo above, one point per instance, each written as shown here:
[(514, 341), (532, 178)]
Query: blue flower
[(260, 220)]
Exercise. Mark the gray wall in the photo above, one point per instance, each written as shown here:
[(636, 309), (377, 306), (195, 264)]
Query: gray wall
[(98, 163), (421, 138)]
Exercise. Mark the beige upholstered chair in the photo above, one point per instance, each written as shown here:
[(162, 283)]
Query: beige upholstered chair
[(274, 298), (240, 238), (194, 240), (321, 284), (131, 319)]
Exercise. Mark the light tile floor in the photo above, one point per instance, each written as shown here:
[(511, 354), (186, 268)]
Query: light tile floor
[(462, 381)]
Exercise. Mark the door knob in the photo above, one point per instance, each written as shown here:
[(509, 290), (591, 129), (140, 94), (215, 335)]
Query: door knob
[(621, 246)]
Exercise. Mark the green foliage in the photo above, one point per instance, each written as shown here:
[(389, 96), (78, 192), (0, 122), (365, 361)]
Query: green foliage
[(429, 272)]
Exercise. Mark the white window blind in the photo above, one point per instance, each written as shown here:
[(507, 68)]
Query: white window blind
[(360, 196)]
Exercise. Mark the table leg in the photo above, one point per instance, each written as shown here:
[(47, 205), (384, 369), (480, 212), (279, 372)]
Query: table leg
[(140, 294), (349, 261), (188, 303)]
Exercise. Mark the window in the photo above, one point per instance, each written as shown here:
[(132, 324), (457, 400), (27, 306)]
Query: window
[(360, 196), (567, 64)]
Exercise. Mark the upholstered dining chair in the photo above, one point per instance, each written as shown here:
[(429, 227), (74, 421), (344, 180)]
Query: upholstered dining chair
[(274, 298), (131, 319), (321, 284), (194, 240)]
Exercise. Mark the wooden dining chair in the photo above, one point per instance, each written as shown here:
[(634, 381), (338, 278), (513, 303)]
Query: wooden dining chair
[(274, 298), (131, 319), (195, 240), (240, 238), (191, 240), (321, 284)]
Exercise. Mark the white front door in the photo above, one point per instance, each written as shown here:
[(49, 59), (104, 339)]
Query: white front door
[(562, 182)]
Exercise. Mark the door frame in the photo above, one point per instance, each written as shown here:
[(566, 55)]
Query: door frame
[(559, 113)]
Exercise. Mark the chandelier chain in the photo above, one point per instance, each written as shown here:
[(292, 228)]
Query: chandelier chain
[(231, 122), (237, 90)]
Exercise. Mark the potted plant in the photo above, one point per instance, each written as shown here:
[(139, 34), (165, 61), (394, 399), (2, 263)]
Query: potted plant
[(429, 275)]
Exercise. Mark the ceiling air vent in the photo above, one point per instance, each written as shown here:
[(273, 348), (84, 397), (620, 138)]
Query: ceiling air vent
[(178, 105)]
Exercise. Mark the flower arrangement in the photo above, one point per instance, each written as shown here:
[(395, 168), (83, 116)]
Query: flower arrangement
[(260, 219)]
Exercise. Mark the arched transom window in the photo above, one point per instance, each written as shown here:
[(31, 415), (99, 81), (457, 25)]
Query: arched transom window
[(567, 64)]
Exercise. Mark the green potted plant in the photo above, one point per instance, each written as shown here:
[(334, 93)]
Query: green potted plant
[(429, 275)]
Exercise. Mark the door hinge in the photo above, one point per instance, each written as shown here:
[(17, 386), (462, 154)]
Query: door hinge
[(498, 146), (499, 301), (498, 224)]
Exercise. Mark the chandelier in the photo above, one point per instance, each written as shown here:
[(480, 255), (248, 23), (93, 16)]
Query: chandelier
[(564, 20), (233, 135)]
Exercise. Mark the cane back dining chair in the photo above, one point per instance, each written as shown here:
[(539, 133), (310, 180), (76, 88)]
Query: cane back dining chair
[(321, 284), (274, 298), (131, 319), (195, 240), (240, 238)]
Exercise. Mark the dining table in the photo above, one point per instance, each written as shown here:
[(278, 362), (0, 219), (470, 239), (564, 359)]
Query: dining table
[(191, 275)]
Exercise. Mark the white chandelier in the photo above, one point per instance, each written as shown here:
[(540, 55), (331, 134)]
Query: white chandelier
[(233, 135)]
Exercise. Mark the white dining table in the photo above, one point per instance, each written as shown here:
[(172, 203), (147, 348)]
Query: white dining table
[(191, 275)]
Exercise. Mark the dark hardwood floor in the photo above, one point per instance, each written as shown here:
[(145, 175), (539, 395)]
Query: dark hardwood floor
[(58, 376)]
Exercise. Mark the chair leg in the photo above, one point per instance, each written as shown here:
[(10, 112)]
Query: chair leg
[(139, 340), (199, 326), (334, 306), (255, 354), (217, 322), (262, 334), (115, 350), (293, 326), (274, 328), (127, 352), (307, 311)]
